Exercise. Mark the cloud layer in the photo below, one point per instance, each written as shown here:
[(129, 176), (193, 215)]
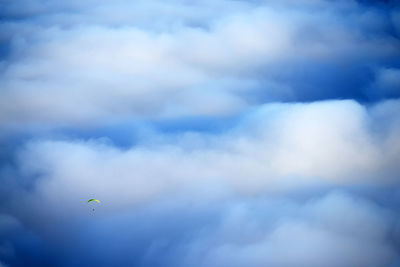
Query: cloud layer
[(172, 59), (222, 133)]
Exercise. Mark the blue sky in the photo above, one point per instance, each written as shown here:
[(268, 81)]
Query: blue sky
[(217, 133)]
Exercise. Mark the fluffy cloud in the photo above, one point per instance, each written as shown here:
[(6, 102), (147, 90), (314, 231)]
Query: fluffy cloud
[(235, 231), (316, 235), (98, 69), (221, 133), (278, 147), (184, 197)]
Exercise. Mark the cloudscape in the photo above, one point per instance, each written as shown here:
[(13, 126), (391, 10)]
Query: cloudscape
[(213, 133)]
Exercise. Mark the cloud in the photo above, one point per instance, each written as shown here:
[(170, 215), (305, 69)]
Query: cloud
[(386, 83), (183, 197), (96, 69), (220, 133), (277, 231), (317, 237), (276, 148)]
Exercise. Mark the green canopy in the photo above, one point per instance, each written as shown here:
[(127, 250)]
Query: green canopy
[(93, 199)]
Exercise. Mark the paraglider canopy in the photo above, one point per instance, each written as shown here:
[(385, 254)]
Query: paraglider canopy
[(93, 200)]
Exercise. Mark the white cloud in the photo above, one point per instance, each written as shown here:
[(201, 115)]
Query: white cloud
[(279, 147), (302, 234), (225, 197), (96, 69)]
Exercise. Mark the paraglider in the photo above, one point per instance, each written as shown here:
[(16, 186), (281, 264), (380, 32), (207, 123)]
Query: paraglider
[(93, 199)]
